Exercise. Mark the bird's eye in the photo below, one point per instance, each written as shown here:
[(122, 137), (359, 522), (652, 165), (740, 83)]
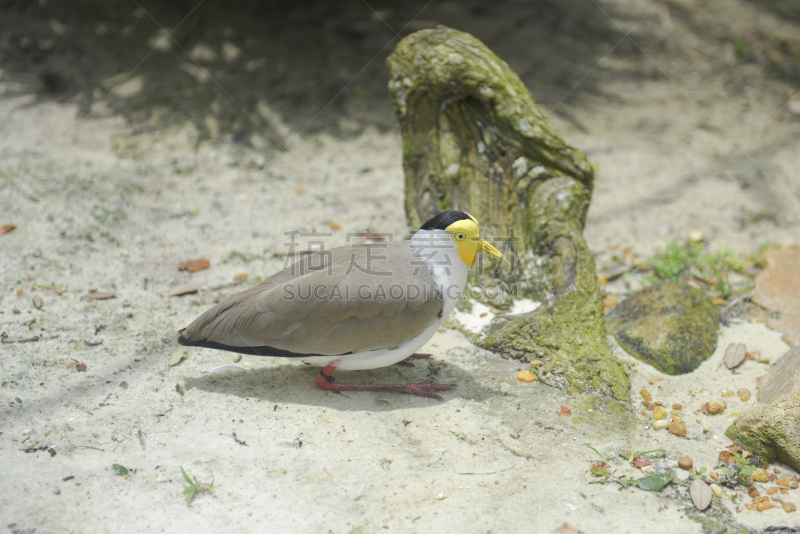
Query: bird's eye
[(460, 236)]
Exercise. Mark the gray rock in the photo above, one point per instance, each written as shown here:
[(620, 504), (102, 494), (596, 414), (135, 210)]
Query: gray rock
[(771, 428), (671, 326)]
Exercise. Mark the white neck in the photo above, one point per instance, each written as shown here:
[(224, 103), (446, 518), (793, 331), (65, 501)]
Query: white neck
[(439, 252)]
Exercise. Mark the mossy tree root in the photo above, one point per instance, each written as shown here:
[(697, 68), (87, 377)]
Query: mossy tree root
[(474, 139)]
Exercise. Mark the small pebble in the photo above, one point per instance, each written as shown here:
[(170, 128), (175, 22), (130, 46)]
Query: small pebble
[(712, 407), (759, 475), (60, 290), (772, 491), (700, 494), (752, 491), (659, 413), (37, 302), (440, 496), (537, 363), (734, 354), (526, 376), (714, 475), (194, 265), (237, 358), (241, 277), (677, 406), (716, 490), (744, 394), (685, 463), (676, 419), (789, 507), (728, 394), (695, 236), (677, 429), (648, 470), (661, 424), (646, 395), (564, 411)]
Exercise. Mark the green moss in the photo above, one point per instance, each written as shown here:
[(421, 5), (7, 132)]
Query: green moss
[(770, 430), (669, 325), (474, 139)]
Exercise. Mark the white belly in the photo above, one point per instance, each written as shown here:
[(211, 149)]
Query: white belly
[(372, 359)]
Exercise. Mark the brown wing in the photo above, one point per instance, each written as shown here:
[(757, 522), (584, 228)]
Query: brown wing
[(346, 300)]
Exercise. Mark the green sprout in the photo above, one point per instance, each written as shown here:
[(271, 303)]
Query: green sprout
[(194, 487), (604, 458)]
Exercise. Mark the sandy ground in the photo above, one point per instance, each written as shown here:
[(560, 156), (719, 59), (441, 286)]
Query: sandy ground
[(107, 203)]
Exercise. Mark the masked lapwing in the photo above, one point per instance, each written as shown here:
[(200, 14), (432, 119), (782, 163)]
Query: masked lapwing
[(359, 306)]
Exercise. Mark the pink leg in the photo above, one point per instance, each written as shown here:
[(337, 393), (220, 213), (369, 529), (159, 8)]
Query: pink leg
[(406, 363), (325, 381)]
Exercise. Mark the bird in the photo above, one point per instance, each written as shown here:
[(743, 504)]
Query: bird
[(355, 307)]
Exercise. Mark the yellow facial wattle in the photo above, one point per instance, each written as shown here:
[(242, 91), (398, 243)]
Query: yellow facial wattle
[(466, 234)]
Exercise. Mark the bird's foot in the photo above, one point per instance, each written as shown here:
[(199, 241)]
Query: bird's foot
[(325, 381)]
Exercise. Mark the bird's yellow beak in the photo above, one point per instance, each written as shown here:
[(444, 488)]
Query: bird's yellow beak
[(493, 252), (470, 249)]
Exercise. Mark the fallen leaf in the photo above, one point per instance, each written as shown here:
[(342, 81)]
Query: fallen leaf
[(6, 228), (600, 466), (653, 482), (177, 356), (641, 462), (700, 494), (98, 296), (566, 528), (185, 289), (119, 470), (735, 354), (194, 265)]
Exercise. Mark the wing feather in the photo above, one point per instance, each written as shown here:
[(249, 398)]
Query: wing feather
[(346, 300)]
